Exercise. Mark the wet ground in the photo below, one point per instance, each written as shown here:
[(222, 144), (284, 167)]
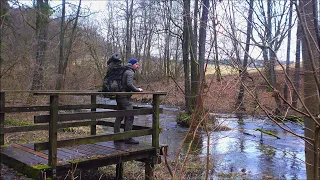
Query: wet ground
[(240, 150)]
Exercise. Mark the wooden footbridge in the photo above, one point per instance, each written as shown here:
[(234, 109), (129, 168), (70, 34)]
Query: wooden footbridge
[(55, 158)]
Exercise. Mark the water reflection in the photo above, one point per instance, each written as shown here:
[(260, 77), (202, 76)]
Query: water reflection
[(238, 150)]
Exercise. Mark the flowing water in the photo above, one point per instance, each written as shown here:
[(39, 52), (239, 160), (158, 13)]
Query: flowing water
[(239, 150)]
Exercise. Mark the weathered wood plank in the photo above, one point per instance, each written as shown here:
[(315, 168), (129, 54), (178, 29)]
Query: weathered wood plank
[(71, 154), (26, 149), (24, 168), (94, 151), (114, 107), (93, 139), (97, 115), (24, 128), (83, 149), (22, 156), (38, 127), (85, 93), (26, 109), (125, 147), (107, 160), (62, 107), (111, 124)]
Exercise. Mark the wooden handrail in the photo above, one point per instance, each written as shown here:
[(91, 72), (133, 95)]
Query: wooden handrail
[(97, 115), (57, 121), (39, 127), (86, 93), (14, 109)]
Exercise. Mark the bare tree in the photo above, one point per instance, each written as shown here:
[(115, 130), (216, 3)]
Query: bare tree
[(185, 49), (285, 93), (214, 24), (272, 28), (167, 40), (42, 21), (64, 55), (202, 38), (243, 72), (129, 24), (297, 67), (2, 15), (310, 54)]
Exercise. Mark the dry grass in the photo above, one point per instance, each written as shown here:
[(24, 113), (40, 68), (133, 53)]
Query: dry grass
[(220, 97)]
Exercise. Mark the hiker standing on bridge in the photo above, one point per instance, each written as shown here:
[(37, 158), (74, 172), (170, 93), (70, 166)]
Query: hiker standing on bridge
[(123, 101)]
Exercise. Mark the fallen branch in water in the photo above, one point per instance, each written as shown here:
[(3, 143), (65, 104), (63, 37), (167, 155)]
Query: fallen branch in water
[(267, 132)]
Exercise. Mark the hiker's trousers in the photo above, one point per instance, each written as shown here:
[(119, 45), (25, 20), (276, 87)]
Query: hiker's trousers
[(123, 103)]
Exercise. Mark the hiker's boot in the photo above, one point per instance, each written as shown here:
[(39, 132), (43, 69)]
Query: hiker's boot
[(131, 141)]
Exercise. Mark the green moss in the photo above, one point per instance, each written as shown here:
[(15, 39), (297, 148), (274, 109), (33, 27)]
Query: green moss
[(17, 123), (23, 168), (228, 175), (184, 119), (42, 166), (69, 129)]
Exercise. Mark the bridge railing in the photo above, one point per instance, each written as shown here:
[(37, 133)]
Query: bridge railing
[(56, 120)]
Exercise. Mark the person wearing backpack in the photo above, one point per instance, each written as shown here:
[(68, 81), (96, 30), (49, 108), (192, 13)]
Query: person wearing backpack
[(123, 101)]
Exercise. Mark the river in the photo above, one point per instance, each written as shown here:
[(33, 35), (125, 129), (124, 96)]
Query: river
[(239, 150)]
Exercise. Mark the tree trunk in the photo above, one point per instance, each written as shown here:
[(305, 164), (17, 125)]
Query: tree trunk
[(65, 55), (2, 12), (42, 22), (315, 4), (243, 74), (167, 43), (285, 93), (272, 56), (216, 58), (202, 38), (129, 24), (185, 51), (193, 55), (297, 67), (176, 69), (61, 46), (310, 57)]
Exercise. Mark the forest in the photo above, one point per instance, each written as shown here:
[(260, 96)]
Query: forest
[(245, 58)]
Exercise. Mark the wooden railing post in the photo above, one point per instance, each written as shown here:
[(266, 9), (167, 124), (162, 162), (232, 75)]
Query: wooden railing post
[(93, 127), (2, 105), (53, 124), (155, 121), (149, 164)]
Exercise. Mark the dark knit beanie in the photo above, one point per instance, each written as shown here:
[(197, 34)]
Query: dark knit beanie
[(133, 61)]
